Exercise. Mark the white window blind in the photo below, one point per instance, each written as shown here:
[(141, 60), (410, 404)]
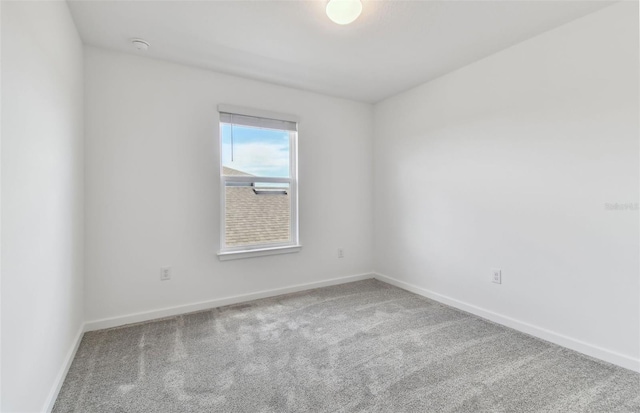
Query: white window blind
[(258, 122)]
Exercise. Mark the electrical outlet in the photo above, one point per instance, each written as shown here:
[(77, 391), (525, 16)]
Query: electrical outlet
[(340, 253), (165, 273), (497, 276)]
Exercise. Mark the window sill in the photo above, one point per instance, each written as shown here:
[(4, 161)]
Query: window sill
[(234, 255)]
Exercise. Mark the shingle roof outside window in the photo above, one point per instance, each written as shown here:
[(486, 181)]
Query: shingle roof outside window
[(252, 219)]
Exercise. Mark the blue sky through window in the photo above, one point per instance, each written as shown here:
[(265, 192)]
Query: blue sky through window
[(260, 152)]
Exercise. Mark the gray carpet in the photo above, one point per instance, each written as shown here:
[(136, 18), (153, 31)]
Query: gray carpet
[(359, 347)]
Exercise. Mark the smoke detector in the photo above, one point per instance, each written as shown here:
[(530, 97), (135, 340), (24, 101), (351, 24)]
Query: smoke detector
[(140, 44)]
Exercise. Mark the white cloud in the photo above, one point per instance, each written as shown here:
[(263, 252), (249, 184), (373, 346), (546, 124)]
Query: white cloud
[(256, 158)]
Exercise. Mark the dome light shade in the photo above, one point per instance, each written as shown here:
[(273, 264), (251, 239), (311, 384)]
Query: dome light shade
[(344, 11)]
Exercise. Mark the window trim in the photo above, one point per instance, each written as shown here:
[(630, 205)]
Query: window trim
[(234, 255), (257, 113), (247, 251)]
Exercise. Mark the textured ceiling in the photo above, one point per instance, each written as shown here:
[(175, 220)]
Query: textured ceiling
[(393, 46)]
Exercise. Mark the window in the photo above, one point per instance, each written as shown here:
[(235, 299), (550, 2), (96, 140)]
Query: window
[(258, 181)]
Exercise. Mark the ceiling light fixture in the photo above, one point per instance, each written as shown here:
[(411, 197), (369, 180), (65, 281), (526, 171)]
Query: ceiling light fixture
[(344, 11), (140, 44)]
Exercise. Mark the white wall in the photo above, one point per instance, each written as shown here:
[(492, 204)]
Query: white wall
[(152, 186), (42, 200), (509, 163)]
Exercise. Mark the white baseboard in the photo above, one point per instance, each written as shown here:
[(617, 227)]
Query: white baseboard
[(64, 369), (553, 337), (220, 302)]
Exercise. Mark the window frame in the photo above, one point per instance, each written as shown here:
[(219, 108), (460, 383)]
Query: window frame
[(246, 251)]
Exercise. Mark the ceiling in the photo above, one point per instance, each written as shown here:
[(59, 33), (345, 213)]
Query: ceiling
[(393, 46)]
